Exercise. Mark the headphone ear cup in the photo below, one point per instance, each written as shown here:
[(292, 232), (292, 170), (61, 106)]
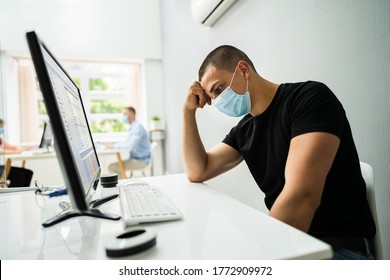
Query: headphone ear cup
[(131, 242)]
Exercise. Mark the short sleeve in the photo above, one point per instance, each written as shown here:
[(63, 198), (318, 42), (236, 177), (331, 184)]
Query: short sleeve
[(231, 140), (316, 109)]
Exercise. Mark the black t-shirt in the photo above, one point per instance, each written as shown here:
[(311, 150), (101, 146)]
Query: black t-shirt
[(264, 142)]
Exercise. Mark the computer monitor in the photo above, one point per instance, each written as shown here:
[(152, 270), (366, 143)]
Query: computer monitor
[(47, 137), (72, 136)]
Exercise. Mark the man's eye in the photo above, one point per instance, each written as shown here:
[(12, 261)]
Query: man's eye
[(218, 90)]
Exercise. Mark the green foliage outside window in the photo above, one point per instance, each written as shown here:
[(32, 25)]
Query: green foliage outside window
[(103, 113), (97, 84), (106, 106), (41, 107), (107, 125), (77, 81)]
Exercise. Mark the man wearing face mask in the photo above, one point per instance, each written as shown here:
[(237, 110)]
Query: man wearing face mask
[(295, 139), (137, 142)]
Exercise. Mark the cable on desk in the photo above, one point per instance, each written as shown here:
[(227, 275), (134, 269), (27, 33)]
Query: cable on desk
[(51, 191)]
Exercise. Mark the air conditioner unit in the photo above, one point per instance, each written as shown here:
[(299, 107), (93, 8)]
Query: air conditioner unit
[(207, 12)]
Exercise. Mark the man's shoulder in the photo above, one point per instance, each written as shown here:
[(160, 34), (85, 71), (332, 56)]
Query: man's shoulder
[(137, 124), (305, 91), (303, 86)]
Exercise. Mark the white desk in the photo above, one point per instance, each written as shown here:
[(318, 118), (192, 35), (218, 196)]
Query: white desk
[(215, 226)]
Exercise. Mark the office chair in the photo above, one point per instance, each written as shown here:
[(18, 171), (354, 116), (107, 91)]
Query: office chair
[(143, 169), (368, 176), (19, 177), (153, 147)]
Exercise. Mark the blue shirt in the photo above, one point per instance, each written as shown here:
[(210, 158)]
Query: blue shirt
[(137, 142)]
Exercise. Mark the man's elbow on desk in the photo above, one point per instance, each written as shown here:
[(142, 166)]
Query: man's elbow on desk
[(198, 175), (201, 176), (194, 178)]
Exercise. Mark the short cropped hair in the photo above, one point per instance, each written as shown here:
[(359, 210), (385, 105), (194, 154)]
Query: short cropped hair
[(224, 57), (130, 109)]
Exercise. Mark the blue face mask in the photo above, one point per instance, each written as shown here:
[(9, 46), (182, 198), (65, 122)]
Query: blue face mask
[(125, 119), (231, 103), (2, 131)]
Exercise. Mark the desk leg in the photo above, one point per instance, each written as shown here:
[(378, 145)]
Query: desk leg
[(121, 166)]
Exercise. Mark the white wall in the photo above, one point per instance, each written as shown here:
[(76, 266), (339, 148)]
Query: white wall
[(344, 43), (95, 29), (108, 28)]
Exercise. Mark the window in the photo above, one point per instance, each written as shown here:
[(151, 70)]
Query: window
[(106, 88)]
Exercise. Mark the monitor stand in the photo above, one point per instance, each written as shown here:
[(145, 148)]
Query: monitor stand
[(95, 213), (47, 149)]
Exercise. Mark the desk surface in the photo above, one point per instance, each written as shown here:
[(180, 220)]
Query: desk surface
[(215, 226), (27, 155)]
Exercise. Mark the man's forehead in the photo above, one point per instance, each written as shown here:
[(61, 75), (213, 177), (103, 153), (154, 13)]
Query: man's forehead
[(211, 75), (211, 70)]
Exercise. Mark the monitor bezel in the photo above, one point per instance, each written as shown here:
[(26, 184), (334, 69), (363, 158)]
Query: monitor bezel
[(79, 197)]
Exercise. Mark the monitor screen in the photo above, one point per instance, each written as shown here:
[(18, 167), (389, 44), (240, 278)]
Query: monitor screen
[(47, 136), (73, 140)]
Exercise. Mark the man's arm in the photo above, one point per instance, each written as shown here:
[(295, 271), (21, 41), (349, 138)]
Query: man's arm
[(309, 160), (8, 148), (201, 165)]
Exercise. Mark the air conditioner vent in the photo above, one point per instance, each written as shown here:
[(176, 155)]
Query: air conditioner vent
[(207, 12)]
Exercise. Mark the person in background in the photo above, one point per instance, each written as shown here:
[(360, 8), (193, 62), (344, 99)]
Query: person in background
[(2, 127), (297, 143), (137, 142), (5, 146)]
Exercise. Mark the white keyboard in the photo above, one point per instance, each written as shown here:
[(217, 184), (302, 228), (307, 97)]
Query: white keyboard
[(144, 203), (36, 152)]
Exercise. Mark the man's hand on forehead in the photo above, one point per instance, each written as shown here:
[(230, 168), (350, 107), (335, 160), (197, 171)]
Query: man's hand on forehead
[(203, 98)]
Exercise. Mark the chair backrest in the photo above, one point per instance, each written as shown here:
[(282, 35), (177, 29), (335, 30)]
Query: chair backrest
[(20, 177), (6, 168), (153, 147), (368, 176)]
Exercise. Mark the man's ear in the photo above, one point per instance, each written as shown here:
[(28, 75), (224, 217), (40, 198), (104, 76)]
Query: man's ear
[(244, 68)]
